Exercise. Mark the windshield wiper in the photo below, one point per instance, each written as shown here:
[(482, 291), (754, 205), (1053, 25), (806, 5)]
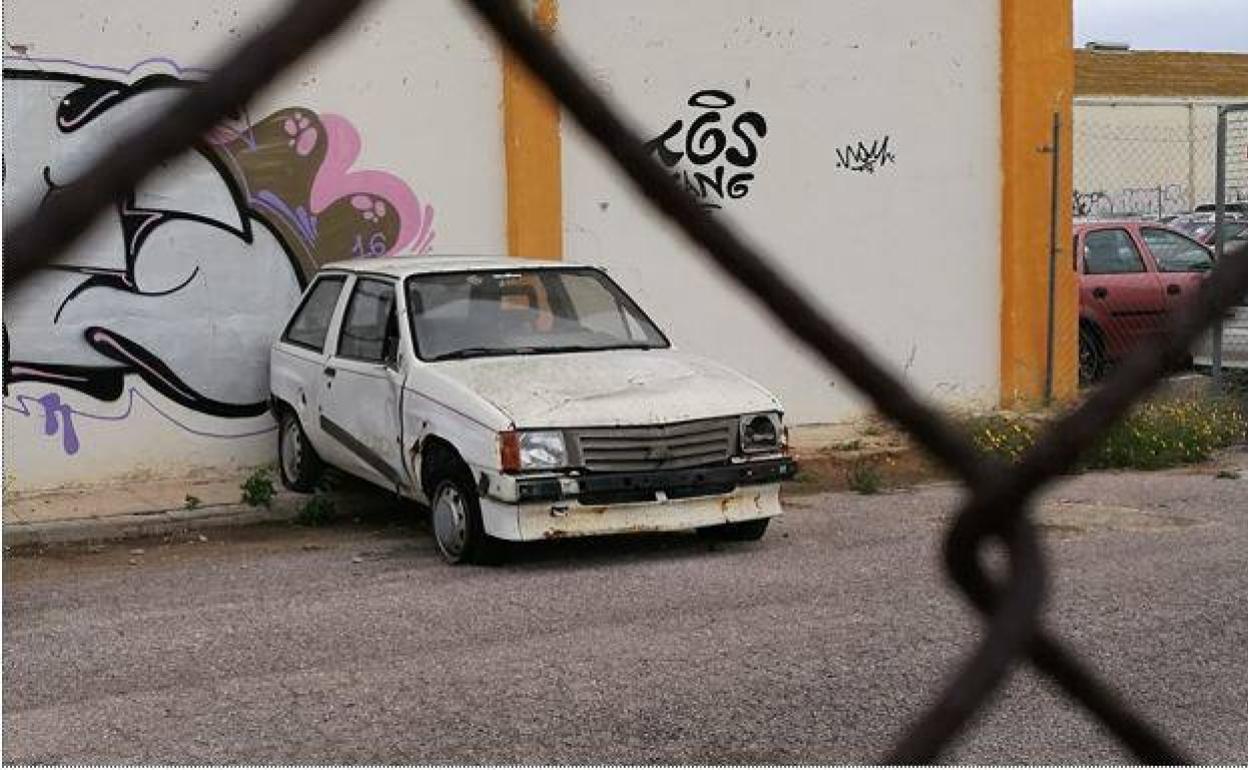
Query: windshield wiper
[(481, 352)]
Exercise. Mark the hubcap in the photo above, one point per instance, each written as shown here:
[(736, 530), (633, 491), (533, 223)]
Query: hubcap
[(292, 450), (450, 521)]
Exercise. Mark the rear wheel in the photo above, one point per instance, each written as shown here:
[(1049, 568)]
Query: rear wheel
[(298, 463), (739, 531)]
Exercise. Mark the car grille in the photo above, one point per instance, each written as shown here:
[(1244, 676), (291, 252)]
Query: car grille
[(658, 447)]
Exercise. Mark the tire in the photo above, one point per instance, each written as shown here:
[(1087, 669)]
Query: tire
[(737, 531), (297, 462), (1091, 356), (455, 515)]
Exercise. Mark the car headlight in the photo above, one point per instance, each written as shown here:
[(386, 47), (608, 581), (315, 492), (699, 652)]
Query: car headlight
[(761, 432), (527, 450)]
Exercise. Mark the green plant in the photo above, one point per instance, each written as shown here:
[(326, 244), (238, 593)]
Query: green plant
[(1001, 434), (316, 512), (192, 502), (864, 477), (258, 488), (1156, 434)]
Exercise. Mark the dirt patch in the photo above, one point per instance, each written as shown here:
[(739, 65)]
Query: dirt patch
[(1069, 518), (897, 469)]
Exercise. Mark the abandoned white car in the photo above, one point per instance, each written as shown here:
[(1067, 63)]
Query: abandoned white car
[(520, 401)]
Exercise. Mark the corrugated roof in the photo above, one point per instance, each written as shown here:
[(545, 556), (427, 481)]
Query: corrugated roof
[(1161, 74)]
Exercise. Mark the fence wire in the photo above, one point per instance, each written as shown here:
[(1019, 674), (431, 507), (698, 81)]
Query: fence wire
[(1000, 497)]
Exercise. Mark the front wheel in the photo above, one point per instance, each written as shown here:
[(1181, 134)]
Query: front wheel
[(457, 526), (739, 531), (1091, 357)]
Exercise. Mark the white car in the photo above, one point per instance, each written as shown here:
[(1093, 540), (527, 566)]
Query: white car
[(520, 401)]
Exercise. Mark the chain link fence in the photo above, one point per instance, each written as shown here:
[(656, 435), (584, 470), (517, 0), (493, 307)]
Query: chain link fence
[(1224, 350), (997, 510), (1143, 171)]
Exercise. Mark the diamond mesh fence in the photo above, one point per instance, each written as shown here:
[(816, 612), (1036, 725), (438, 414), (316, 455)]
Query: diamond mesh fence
[(997, 509)]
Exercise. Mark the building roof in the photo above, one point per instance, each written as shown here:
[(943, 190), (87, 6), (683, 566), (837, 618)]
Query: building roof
[(1161, 74), (404, 265)]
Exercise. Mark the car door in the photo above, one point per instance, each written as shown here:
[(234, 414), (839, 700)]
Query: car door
[(1119, 290), (302, 351), (1182, 264), (362, 383)]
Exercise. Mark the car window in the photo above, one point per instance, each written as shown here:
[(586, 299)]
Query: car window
[(1109, 252), (310, 325), (1175, 253), (523, 311), (367, 322)]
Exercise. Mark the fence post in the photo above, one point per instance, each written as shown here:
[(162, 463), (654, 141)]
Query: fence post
[(1054, 205), (1219, 197)]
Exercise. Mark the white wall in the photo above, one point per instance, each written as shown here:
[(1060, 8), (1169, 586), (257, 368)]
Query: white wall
[(907, 254), (1144, 157), (390, 136)]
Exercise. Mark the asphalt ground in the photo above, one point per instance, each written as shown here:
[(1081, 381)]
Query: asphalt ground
[(354, 643)]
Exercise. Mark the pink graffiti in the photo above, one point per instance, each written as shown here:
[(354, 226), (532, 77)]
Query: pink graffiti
[(336, 180)]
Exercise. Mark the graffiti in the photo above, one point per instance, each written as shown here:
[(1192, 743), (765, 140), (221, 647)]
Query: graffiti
[(865, 158), (714, 163), (1159, 201), (183, 282)]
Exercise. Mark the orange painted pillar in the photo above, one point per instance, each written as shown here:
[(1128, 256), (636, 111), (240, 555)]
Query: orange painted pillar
[(534, 154), (1037, 80)]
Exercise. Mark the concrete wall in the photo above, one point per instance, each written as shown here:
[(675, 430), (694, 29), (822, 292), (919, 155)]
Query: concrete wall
[(877, 181), (861, 146), (147, 353), (1151, 157)]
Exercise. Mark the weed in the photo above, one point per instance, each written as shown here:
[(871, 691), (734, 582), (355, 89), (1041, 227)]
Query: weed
[(1155, 434), (864, 477), (1228, 474), (192, 502), (316, 512), (258, 488)]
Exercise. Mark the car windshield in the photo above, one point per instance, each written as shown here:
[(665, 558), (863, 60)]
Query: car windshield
[(537, 310)]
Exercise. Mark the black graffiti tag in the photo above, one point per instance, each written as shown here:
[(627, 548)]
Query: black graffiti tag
[(716, 163), (865, 158)]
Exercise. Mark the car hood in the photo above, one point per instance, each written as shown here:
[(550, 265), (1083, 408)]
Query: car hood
[(610, 387)]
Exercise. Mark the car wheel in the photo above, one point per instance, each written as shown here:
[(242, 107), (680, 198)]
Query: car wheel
[(739, 531), (456, 513), (297, 461), (1091, 357)]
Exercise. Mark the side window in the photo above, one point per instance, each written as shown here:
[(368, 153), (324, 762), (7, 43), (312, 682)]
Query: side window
[(310, 325), (1175, 253), (1110, 252), (368, 322)]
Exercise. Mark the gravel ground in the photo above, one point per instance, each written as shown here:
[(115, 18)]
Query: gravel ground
[(355, 644)]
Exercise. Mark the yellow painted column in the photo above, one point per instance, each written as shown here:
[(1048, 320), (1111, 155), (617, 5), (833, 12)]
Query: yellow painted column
[(534, 154), (1037, 80)]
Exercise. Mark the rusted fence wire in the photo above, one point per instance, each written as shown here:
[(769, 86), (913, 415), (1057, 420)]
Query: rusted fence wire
[(1000, 496)]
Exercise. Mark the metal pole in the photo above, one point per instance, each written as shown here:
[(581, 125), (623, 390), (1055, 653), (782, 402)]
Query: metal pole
[(1054, 213), (1219, 215)]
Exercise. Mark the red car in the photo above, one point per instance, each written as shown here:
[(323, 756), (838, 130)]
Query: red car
[(1133, 276)]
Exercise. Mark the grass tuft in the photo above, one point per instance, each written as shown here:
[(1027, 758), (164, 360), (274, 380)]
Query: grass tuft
[(864, 477), (258, 489)]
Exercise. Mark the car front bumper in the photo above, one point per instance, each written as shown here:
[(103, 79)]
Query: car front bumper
[(661, 501)]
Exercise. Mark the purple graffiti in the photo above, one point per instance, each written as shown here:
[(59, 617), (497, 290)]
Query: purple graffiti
[(59, 416)]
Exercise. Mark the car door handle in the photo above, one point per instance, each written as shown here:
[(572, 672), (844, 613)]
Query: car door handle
[(1100, 292), (330, 371), (1174, 288)]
